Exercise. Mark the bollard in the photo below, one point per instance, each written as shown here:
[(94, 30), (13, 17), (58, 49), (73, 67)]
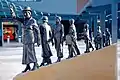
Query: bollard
[(19, 39), (8, 39)]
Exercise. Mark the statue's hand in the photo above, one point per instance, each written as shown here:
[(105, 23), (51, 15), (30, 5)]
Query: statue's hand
[(12, 11)]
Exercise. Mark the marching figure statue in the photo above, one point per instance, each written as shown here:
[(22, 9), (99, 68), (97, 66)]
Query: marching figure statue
[(90, 33), (58, 37), (108, 36), (71, 40), (72, 26), (87, 39), (29, 27), (99, 30), (45, 31), (98, 39), (104, 39)]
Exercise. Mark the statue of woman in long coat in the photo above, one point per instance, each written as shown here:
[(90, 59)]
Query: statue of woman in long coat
[(29, 28)]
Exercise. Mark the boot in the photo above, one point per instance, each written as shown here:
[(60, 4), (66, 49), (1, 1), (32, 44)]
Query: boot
[(58, 60), (78, 53), (42, 64), (27, 68), (92, 48), (86, 51), (68, 57), (49, 61), (34, 67), (75, 54)]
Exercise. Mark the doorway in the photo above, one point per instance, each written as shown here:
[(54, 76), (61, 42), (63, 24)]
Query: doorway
[(11, 31), (66, 26)]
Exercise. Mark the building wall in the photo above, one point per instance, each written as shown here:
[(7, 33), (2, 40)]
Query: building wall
[(102, 2), (57, 6), (81, 4), (53, 6)]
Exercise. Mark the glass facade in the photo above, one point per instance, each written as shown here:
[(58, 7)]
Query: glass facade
[(25, 0)]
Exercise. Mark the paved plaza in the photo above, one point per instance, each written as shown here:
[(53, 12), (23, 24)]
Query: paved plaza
[(11, 57)]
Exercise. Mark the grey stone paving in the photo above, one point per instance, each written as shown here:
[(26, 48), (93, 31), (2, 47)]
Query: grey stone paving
[(11, 55)]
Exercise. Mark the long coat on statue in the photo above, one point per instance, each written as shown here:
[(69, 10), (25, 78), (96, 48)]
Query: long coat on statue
[(58, 37), (28, 35), (45, 31)]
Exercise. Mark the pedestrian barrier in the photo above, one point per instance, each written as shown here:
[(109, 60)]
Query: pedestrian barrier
[(96, 65), (8, 39), (19, 39)]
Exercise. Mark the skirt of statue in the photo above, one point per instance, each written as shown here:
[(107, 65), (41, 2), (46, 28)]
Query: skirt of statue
[(46, 51), (29, 55)]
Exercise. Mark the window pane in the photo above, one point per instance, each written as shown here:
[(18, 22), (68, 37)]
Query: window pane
[(13, 0), (26, 0), (29, 0), (37, 0), (21, 0)]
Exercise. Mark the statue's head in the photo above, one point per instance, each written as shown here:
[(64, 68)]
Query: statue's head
[(27, 12), (58, 19), (86, 26), (71, 21), (45, 19)]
